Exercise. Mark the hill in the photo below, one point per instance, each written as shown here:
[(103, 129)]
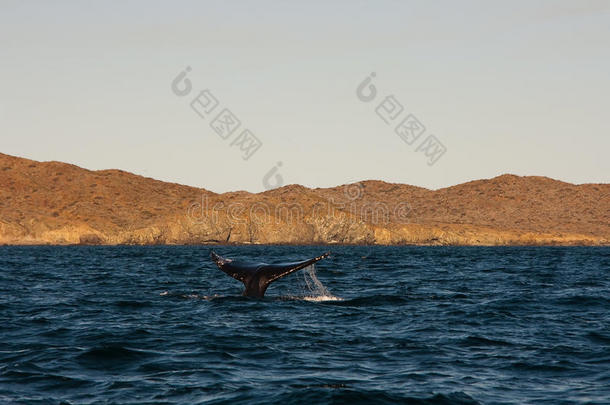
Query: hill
[(59, 203)]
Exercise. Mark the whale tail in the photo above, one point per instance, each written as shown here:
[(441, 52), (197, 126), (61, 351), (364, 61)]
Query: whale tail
[(257, 276)]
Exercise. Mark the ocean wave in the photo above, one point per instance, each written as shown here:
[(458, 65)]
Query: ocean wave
[(480, 341), (337, 393), (374, 300), (113, 325), (111, 356)]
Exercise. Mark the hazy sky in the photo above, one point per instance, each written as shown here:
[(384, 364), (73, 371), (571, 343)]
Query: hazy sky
[(506, 87)]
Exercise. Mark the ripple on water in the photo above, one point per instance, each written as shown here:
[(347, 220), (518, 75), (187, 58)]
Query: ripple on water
[(420, 325)]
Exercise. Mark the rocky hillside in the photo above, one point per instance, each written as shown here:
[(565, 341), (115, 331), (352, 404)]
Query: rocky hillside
[(58, 203)]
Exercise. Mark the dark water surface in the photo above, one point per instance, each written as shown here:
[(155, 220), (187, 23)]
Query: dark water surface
[(422, 325)]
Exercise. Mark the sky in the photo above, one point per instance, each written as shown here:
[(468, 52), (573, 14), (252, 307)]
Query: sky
[(517, 87)]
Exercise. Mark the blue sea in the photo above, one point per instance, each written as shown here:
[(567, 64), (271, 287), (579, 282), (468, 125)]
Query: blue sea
[(415, 325)]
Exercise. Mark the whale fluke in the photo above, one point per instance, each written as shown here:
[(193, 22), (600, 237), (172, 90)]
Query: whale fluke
[(257, 276)]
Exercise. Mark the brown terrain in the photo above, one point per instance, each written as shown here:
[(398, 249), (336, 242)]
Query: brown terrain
[(59, 203)]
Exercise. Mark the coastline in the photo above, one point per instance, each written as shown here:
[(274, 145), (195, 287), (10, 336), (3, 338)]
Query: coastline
[(54, 203)]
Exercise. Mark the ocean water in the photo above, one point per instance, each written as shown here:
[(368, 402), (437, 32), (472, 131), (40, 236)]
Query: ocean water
[(420, 325)]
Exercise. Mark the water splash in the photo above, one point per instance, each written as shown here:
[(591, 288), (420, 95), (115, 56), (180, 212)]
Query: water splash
[(314, 289)]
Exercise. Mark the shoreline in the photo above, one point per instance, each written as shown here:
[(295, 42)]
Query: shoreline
[(600, 245)]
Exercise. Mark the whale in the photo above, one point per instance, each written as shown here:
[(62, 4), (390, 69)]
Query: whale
[(257, 276)]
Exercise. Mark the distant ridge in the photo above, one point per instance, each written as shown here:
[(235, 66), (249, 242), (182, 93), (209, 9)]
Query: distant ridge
[(59, 203)]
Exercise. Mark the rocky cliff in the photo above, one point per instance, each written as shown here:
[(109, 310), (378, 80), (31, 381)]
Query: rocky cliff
[(59, 203)]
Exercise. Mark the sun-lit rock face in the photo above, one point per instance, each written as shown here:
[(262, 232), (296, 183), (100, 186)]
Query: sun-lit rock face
[(58, 203)]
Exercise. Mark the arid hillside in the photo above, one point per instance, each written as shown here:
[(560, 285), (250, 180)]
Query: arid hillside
[(59, 203)]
